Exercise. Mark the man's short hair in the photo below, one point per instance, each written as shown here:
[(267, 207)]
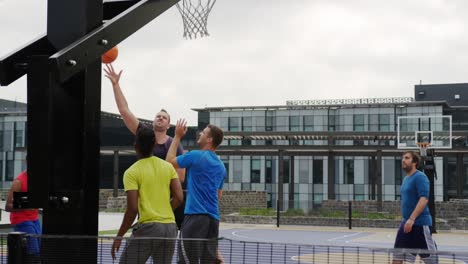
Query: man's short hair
[(415, 157), (168, 115), (216, 134), (145, 140)]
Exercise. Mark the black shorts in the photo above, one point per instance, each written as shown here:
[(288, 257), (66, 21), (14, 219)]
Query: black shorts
[(198, 251), (420, 237)]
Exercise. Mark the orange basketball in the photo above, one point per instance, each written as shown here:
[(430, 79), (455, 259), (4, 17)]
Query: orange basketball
[(110, 55)]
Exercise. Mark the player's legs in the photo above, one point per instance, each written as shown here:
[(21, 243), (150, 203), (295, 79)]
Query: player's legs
[(34, 228), (193, 227), (137, 250), (210, 253), (403, 240), (163, 249), (427, 242)]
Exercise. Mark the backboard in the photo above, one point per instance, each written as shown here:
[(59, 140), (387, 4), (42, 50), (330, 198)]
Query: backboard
[(436, 131)]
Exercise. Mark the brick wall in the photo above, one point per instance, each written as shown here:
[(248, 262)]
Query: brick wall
[(446, 210), (230, 202)]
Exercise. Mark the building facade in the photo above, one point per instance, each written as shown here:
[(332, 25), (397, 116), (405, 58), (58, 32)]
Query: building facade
[(12, 140), (332, 149)]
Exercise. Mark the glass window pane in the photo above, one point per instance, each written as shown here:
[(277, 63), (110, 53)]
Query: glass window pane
[(358, 122), (234, 124), (294, 123), (318, 172), (349, 172), (308, 123)]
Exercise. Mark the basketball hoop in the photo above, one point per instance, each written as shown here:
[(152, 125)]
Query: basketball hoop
[(195, 17), (423, 148)]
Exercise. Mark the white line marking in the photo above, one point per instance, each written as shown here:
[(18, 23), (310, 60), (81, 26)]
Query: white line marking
[(344, 236)]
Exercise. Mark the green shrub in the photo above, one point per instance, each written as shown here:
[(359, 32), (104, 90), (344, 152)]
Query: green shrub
[(256, 211), (294, 212)]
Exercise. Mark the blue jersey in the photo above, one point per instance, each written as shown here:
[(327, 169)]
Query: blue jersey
[(413, 188), (205, 176)]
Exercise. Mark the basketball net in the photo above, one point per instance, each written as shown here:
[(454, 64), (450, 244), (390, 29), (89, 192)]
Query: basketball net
[(423, 148), (195, 17)]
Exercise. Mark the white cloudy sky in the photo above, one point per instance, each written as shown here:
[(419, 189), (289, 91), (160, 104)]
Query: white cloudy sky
[(264, 52)]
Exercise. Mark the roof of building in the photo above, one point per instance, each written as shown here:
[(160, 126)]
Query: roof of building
[(321, 106)]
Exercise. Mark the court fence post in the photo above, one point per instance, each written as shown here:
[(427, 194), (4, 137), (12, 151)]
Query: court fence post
[(350, 214), (16, 247), (277, 213)]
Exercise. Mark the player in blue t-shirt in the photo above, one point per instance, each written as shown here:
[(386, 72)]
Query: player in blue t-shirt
[(414, 231), (205, 179)]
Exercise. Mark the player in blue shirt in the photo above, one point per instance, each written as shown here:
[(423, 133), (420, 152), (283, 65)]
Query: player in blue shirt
[(415, 228), (205, 179)]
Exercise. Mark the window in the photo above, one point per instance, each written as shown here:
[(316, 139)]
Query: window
[(226, 165), (384, 122), (235, 142), (304, 171), (286, 170), (234, 124), (8, 136), (373, 122), (398, 171), (294, 124), (255, 170), (425, 124), (465, 169), (269, 120), (268, 170), (246, 123), (348, 171), (1, 138), (318, 172), (237, 173), (331, 122), (398, 177), (259, 122), (308, 123), (282, 123), (19, 135), (358, 122), (10, 170)]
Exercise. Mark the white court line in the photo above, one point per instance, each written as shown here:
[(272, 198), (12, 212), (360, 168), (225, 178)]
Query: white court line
[(235, 234), (344, 236)]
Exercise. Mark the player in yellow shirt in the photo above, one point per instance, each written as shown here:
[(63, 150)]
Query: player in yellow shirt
[(149, 183)]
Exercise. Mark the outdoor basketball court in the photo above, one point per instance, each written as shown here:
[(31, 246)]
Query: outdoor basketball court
[(332, 245)]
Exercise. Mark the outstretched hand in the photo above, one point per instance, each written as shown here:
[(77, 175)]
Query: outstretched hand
[(111, 74), (181, 128), (115, 247)]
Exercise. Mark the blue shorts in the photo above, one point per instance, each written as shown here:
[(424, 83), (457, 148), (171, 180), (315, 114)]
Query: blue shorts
[(34, 228), (420, 237)]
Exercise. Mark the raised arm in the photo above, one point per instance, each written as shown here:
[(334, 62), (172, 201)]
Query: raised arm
[(177, 194), (129, 119), (181, 129)]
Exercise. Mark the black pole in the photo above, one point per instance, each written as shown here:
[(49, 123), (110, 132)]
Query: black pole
[(279, 204), (116, 174), (379, 180), (277, 213), (350, 214), (428, 165), (16, 247)]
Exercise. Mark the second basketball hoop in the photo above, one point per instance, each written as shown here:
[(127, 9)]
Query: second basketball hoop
[(195, 17)]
